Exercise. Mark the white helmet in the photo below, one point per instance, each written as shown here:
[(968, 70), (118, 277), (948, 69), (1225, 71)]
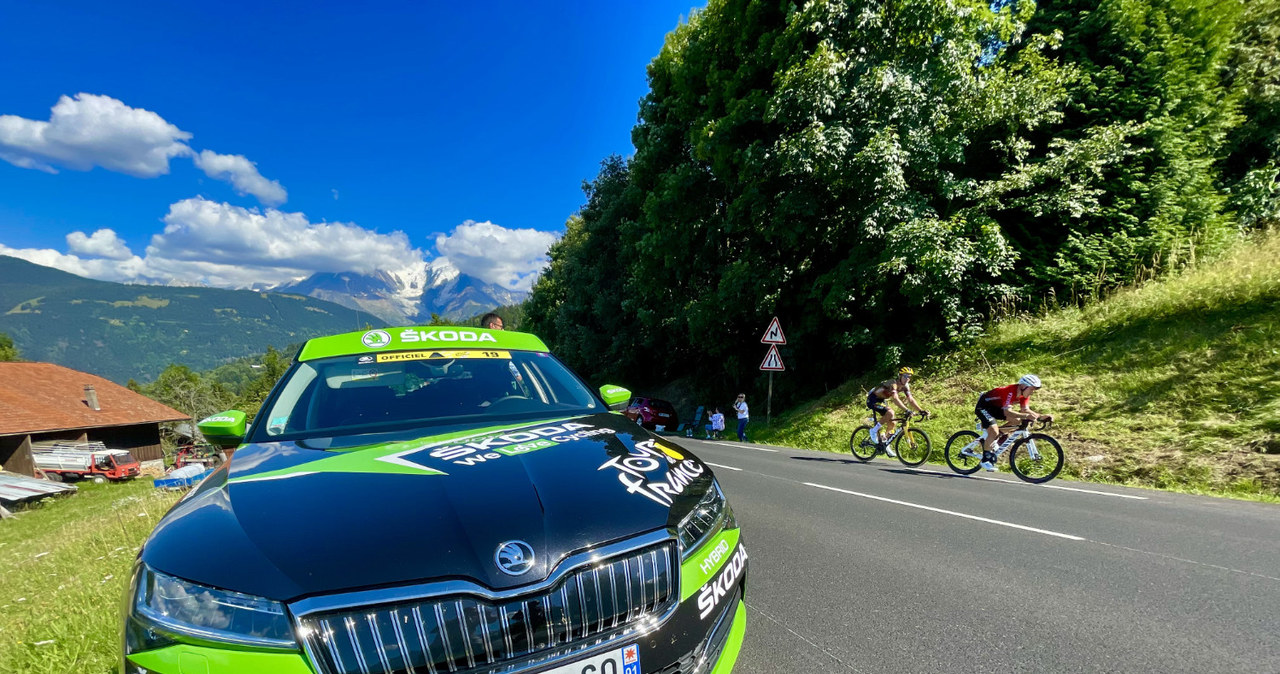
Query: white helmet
[(1030, 380)]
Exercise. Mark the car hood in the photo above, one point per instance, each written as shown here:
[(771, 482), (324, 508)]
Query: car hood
[(283, 521)]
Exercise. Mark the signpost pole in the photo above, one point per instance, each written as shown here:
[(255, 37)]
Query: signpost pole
[(772, 362)]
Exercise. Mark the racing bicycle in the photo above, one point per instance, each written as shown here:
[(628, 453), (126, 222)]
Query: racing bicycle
[(912, 445), (1033, 456)]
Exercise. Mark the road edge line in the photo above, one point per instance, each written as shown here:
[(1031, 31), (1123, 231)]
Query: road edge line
[(953, 513)]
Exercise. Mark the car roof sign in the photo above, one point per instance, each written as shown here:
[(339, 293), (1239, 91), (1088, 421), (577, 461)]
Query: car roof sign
[(417, 338)]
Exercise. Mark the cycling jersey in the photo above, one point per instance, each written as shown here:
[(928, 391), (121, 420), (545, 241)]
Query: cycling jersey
[(992, 404), (886, 388), (877, 396), (1003, 397)]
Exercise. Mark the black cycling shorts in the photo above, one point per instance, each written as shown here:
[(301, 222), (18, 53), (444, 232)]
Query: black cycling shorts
[(988, 415), (875, 404)]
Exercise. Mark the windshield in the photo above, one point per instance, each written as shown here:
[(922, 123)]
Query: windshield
[(387, 392)]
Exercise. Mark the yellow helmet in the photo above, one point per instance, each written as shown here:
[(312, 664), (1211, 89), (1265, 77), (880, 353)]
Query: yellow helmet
[(906, 370)]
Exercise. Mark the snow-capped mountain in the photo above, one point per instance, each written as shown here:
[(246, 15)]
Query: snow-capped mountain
[(455, 295), (407, 296)]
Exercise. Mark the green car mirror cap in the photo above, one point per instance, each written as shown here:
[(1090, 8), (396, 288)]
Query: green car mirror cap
[(225, 429), (615, 396)]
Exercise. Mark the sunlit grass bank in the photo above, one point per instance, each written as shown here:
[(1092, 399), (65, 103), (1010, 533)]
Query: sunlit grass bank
[(1174, 384)]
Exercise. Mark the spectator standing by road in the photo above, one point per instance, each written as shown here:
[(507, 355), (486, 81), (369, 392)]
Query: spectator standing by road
[(491, 321), (744, 415)]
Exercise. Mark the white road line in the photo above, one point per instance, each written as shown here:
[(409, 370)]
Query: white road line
[(1091, 491), (948, 512), (740, 444), (717, 465), (1028, 484)]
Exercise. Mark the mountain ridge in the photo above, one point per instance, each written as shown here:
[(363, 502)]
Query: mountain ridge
[(407, 297), (125, 331)]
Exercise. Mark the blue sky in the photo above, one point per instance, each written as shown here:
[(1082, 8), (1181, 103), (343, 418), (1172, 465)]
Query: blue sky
[(258, 141)]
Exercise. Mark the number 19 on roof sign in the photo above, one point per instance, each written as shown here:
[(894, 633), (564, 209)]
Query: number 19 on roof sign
[(772, 360)]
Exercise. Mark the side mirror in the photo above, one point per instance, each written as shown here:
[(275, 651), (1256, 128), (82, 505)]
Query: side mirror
[(224, 429), (615, 397)]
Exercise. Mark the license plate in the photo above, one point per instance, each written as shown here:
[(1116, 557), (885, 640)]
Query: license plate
[(659, 427), (625, 660)]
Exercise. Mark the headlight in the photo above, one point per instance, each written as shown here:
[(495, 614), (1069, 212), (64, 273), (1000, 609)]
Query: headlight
[(708, 517), (164, 604)]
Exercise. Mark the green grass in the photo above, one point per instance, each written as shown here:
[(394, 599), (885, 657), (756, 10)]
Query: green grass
[(64, 565), (1174, 384)]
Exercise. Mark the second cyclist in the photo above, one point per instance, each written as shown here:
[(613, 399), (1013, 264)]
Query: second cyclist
[(877, 399)]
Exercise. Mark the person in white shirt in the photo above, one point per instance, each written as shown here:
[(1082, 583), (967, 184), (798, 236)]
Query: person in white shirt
[(744, 415), (717, 424)]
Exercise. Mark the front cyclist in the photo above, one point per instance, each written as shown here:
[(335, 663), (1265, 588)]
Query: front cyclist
[(876, 402), (996, 406)]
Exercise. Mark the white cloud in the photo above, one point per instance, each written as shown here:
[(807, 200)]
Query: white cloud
[(212, 243), (90, 130), (217, 244), (224, 245), (242, 174), (125, 270), (511, 258), (102, 243)]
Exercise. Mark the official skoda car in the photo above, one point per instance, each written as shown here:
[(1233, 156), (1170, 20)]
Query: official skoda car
[(435, 500)]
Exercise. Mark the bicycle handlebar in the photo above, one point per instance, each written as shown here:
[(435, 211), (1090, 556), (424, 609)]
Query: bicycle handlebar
[(1028, 423)]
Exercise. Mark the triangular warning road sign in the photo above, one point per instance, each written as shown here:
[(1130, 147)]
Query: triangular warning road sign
[(773, 360), (773, 334)]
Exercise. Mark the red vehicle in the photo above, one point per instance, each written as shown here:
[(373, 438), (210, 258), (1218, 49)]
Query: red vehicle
[(64, 464), (205, 455), (652, 413)]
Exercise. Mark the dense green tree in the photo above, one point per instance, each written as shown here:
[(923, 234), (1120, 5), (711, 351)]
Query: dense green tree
[(187, 391), (1151, 80), (268, 371), (8, 351), (579, 304), (1252, 170), (882, 174), (810, 164)]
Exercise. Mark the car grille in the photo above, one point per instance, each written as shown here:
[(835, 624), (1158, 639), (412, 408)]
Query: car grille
[(465, 633)]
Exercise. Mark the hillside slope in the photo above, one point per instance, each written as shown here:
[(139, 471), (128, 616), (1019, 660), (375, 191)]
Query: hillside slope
[(123, 331), (1173, 384)]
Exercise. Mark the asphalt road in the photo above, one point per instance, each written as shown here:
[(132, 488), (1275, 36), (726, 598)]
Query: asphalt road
[(880, 568)]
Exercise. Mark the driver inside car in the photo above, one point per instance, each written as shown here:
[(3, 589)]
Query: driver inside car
[(495, 380)]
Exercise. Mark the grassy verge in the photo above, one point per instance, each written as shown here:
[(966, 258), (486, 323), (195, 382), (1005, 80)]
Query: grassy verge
[(65, 564), (1174, 384)]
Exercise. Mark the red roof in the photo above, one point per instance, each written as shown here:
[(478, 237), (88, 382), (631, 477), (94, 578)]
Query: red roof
[(37, 397)]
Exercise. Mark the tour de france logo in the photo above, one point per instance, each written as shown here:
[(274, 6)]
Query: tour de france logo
[(376, 339)]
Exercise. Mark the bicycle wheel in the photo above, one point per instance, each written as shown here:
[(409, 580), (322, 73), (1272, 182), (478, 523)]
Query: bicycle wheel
[(913, 447), (962, 463), (861, 445), (1036, 458)]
